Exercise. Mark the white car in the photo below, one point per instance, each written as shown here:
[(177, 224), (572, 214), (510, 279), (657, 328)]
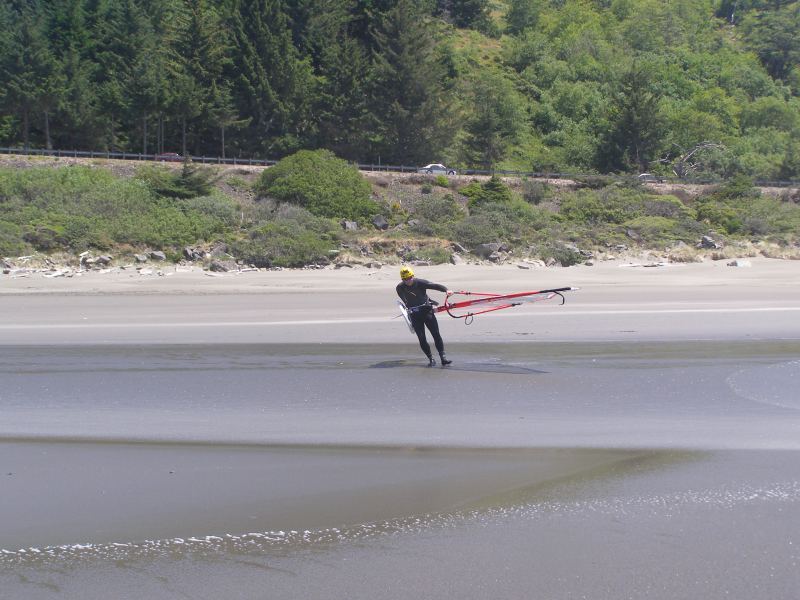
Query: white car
[(436, 169)]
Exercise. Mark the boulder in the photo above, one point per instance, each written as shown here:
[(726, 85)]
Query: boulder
[(219, 249), (158, 255), (486, 250), (456, 259), (380, 222), (223, 266), (103, 260), (140, 258), (192, 254), (708, 243), (349, 225)]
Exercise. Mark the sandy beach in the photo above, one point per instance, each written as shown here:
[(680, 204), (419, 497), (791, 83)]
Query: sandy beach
[(617, 301), (275, 434)]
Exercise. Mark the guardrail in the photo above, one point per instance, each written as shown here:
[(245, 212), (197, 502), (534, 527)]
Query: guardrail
[(377, 167)]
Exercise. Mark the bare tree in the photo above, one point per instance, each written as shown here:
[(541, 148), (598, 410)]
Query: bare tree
[(687, 162)]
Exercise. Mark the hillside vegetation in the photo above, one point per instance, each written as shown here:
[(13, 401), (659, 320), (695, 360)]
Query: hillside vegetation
[(316, 209), (687, 87)]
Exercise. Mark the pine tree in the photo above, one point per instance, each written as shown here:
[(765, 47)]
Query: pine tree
[(409, 108), (495, 121), (272, 84), (119, 31), (635, 124), (341, 66), (198, 61), (30, 72)]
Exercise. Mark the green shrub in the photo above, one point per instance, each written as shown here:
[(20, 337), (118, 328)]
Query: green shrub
[(282, 244), (437, 209), (534, 192), (317, 180), (293, 237), (720, 216), (78, 207), (238, 183), (218, 207), (441, 181), (493, 191), (189, 182), (432, 253), (478, 229), (652, 229), (11, 243), (565, 256)]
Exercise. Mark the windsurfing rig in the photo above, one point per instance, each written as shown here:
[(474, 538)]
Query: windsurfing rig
[(459, 308)]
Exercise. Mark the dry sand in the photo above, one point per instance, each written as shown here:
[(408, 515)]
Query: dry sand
[(616, 301)]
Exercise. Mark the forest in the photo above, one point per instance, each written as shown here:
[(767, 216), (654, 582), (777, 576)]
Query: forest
[(685, 88)]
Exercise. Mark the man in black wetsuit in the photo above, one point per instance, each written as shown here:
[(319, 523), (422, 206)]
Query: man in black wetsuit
[(420, 309)]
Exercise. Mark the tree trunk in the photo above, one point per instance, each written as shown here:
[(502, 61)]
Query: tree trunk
[(25, 129), (112, 136), (48, 141), (183, 136), (222, 128), (161, 132), (144, 134)]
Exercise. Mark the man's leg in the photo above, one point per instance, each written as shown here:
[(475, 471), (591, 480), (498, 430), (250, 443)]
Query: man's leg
[(418, 323), (433, 326)]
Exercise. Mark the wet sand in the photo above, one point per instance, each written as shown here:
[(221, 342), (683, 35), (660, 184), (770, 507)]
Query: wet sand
[(277, 436)]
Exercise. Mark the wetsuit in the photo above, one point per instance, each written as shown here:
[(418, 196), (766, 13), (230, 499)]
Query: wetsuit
[(420, 311)]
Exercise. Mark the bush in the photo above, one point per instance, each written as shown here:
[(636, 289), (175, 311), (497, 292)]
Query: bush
[(616, 204), (478, 229), (191, 181), (218, 207), (432, 253), (437, 209), (441, 181), (292, 238), (565, 256), (493, 191), (534, 192), (317, 180), (652, 229), (11, 243), (79, 207)]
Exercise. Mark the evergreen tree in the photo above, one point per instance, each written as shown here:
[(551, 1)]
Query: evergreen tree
[(522, 14), (410, 109), (118, 28), (271, 83), (496, 120), (472, 14), (775, 37), (198, 61), (341, 65), (635, 126), (31, 75)]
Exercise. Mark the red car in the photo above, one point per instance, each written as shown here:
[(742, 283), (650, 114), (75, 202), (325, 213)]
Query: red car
[(169, 157)]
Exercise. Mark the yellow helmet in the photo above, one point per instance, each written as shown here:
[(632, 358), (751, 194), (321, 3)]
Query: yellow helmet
[(406, 273)]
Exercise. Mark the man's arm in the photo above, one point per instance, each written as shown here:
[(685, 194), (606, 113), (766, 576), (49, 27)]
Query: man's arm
[(435, 286)]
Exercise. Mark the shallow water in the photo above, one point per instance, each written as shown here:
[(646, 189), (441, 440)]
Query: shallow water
[(317, 471)]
